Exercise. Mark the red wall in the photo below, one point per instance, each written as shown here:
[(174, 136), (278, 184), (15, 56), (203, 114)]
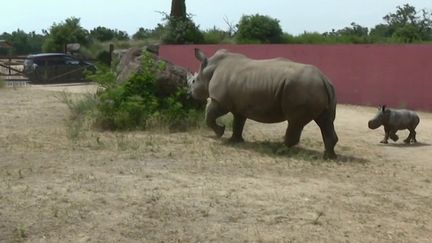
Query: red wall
[(395, 75)]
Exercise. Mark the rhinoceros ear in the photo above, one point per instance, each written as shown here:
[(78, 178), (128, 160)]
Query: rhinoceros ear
[(383, 108), (201, 57)]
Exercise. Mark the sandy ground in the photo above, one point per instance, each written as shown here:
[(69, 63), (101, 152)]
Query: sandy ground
[(190, 187)]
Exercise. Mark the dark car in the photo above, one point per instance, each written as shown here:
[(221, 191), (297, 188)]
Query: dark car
[(56, 68)]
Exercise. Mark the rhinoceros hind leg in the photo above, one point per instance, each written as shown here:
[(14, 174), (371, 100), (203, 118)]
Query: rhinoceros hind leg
[(411, 137), (238, 125), (214, 111), (329, 135), (293, 133)]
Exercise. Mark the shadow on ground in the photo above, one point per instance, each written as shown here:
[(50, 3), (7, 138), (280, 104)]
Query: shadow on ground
[(279, 149), (405, 145)]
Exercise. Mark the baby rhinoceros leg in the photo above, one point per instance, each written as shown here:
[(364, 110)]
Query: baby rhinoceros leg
[(386, 135), (411, 137), (393, 136)]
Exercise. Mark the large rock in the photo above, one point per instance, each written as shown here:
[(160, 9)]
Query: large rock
[(167, 81)]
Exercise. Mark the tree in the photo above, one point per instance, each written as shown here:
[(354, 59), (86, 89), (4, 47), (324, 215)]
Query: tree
[(178, 9), (121, 35), (69, 31), (22, 43), (355, 30), (102, 34), (142, 34), (406, 25), (106, 34), (179, 27), (258, 29)]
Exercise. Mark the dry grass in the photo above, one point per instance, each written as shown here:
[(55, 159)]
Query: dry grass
[(190, 187)]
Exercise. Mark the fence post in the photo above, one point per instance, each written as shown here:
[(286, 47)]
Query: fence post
[(9, 65)]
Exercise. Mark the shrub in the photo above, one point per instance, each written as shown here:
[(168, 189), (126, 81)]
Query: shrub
[(216, 36), (136, 105), (181, 31), (258, 29)]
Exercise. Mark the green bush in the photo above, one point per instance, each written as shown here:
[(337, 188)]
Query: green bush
[(69, 31), (258, 29), (135, 104), (217, 36), (181, 31)]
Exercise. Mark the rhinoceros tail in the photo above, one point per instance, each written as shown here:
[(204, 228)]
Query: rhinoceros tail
[(331, 96)]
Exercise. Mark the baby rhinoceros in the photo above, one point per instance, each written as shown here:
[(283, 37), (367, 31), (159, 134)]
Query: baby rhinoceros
[(394, 120)]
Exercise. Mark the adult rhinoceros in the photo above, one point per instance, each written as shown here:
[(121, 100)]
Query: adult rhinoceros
[(269, 91)]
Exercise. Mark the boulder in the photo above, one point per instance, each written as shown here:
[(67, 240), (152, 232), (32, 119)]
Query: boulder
[(167, 81)]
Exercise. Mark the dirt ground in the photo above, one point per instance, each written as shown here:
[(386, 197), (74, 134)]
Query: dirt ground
[(189, 187)]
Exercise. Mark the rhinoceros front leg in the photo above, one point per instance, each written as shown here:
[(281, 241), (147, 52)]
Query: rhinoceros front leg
[(386, 135), (238, 125), (393, 136), (214, 111)]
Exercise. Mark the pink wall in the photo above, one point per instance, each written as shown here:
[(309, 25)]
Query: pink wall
[(395, 75)]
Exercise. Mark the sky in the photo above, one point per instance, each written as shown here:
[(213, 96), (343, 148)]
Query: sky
[(295, 17)]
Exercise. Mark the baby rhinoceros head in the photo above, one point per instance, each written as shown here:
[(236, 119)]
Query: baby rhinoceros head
[(380, 117)]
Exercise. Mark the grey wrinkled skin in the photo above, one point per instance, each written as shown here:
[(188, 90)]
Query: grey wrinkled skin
[(394, 120), (269, 91)]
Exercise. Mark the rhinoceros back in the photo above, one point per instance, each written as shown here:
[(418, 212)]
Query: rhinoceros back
[(270, 90), (403, 119)]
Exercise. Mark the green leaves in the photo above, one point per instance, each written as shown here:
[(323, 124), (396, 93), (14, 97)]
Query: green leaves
[(259, 29), (69, 31), (135, 103)]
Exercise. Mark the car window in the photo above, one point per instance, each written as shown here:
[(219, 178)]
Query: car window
[(39, 62), (70, 60)]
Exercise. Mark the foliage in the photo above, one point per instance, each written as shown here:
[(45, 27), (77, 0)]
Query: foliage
[(406, 25), (258, 29), (83, 111), (104, 77), (135, 104), (69, 31), (22, 43), (142, 34), (105, 34), (181, 31), (217, 36)]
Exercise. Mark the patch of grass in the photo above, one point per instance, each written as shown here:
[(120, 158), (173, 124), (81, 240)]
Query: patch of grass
[(21, 232), (83, 112)]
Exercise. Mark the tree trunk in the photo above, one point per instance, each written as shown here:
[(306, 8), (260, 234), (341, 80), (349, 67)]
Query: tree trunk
[(178, 9)]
